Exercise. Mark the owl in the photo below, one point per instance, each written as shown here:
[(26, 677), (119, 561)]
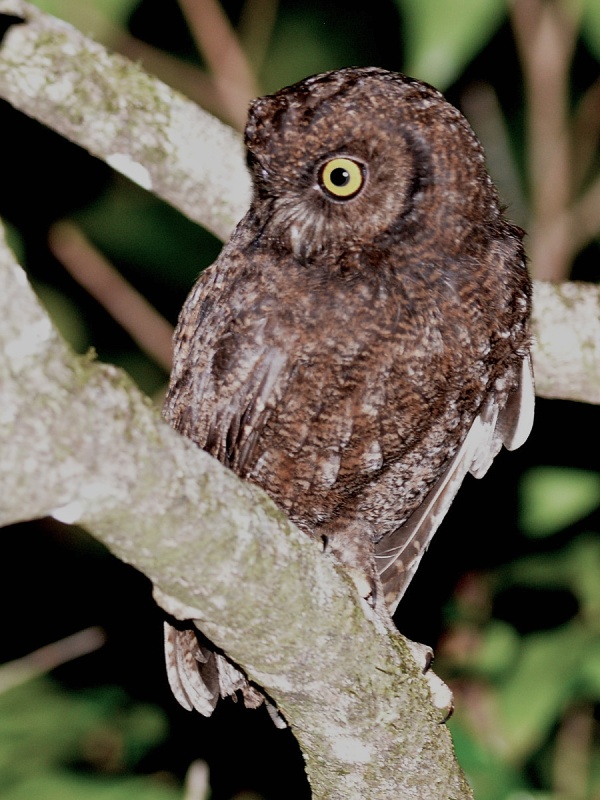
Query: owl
[(361, 343)]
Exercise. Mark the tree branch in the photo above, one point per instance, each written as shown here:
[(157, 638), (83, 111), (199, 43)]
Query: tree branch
[(566, 331), (134, 122), (80, 443), (154, 135)]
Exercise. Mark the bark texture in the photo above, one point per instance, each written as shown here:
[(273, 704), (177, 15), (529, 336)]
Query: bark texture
[(80, 443)]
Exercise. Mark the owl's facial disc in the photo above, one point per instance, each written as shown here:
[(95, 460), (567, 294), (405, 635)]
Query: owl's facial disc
[(342, 178)]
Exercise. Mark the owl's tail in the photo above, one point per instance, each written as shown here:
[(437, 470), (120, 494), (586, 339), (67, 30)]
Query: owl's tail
[(198, 675)]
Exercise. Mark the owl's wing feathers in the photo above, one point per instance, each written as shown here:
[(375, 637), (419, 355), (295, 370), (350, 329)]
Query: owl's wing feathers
[(191, 670), (238, 419), (515, 420), (198, 676), (229, 376), (398, 554)]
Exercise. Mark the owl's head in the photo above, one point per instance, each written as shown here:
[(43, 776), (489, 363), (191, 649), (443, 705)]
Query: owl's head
[(363, 155)]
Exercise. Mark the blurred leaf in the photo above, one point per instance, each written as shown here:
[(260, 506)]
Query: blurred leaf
[(490, 777), (150, 378), (130, 225), (43, 729), (594, 784), (117, 11), (554, 497), (584, 574), (67, 786), (590, 25), (590, 672), (576, 567), (14, 240), (532, 700), (498, 649), (442, 36), (301, 46)]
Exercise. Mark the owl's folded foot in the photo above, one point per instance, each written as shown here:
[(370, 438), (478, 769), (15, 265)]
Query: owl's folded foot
[(441, 694)]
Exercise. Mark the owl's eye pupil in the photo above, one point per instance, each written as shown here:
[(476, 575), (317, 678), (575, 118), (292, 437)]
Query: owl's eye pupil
[(342, 178)]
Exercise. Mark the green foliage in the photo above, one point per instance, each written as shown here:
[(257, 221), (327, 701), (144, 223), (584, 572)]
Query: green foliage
[(65, 786), (133, 228), (590, 25), (310, 43), (58, 745), (14, 241), (117, 11), (555, 497), (442, 36), (489, 774), (65, 315), (514, 723)]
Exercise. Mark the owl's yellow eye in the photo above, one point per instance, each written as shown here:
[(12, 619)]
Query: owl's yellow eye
[(342, 178)]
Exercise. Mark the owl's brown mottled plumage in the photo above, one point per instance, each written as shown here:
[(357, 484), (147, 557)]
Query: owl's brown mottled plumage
[(357, 348)]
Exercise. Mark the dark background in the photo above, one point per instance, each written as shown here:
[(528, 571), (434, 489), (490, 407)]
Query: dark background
[(471, 590)]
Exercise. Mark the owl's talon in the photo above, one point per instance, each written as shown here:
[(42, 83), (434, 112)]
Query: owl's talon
[(422, 654), (441, 695), (365, 587)]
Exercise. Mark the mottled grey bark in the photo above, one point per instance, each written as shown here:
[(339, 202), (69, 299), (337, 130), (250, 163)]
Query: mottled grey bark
[(118, 112), (79, 442)]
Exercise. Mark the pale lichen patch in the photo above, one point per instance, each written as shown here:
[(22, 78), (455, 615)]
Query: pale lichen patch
[(131, 168), (31, 340)]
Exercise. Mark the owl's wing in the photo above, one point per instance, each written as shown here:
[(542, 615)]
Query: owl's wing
[(225, 383), (198, 676), (191, 670), (398, 554), (237, 418), (227, 377)]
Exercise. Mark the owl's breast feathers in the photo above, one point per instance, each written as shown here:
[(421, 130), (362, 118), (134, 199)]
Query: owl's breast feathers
[(347, 398)]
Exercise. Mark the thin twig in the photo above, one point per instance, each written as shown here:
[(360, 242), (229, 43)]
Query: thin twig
[(124, 303), (218, 43), (47, 658), (255, 29), (545, 34)]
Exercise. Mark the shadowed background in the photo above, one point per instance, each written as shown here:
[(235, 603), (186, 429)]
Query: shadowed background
[(509, 594)]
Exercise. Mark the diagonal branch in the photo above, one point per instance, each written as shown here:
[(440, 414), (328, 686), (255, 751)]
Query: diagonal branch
[(133, 121), (151, 133), (79, 442)]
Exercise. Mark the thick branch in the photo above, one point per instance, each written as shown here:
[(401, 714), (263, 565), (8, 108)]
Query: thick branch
[(566, 329), (80, 443), (133, 121), (145, 129)]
